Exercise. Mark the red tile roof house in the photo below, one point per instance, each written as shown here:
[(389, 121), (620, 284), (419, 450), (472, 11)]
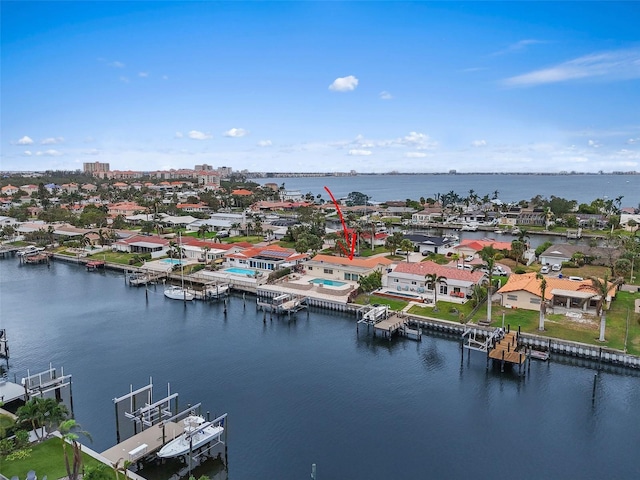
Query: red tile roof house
[(193, 207), (408, 280), (473, 247)]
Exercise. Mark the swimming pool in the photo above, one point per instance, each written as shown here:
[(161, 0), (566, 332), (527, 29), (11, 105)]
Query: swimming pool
[(240, 271), (324, 281), (171, 261)]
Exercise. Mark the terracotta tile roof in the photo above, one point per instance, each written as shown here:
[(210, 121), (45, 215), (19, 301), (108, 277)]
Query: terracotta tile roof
[(478, 245), (369, 262), (529, 283), (424, 268), (242, 192)]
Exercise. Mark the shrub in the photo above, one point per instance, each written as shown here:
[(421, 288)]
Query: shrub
[(22, 438), (520, 271), (6, 446)]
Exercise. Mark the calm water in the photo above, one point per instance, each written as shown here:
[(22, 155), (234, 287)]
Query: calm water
[(312, 391), (511, 188)]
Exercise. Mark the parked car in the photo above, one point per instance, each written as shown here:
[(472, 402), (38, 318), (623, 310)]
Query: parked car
[(499, 271), (544, 269), (468, 258), (556, 267), (222, 234)]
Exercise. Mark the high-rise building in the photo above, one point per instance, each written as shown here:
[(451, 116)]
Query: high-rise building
[(95, 167), (203, 168)]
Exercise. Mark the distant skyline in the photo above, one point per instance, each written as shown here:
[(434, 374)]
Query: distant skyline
[(321, 86)]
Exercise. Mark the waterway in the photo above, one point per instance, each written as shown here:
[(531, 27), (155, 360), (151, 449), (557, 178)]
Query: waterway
[(315, 391), (510, 188)]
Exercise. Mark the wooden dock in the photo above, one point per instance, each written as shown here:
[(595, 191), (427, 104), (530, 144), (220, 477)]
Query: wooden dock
[(144, 443), (507, 350), (389, 326)]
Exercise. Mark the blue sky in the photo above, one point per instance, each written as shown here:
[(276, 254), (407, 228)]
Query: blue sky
[(322, 86)]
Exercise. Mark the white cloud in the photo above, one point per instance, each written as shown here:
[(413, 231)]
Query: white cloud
[(518, 46), (143, 74), (415, 154), (611, 65), (479, 143), (360, 152), (384, 95), (633, 141), (124, 79), (236, 132), (418, 140), (28, 153), (196, 135), (178, 135), (25, 141), (594, 144), (93, 151), (49, 153), (344, 84), (265, 143), (52, 140), (116, 64)]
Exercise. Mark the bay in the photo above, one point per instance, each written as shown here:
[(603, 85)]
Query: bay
[(313, 390), (510, 188)]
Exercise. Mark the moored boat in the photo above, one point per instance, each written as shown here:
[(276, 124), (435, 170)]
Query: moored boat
[(197, 433), (178, 293)]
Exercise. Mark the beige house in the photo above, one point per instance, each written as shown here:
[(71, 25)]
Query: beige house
[(341, 268), (523, 291)]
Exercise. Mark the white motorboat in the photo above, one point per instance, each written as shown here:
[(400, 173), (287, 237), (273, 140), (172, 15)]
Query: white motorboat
[(217, 291), (178, 293), (197, 432), (30, 250)]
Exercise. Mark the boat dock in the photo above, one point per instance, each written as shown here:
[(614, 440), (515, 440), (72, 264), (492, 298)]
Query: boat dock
[(500, 346), (35, 259), (378, 316), (95, 265), (137, 279), (145, 443), (7, 250), (281, 304)]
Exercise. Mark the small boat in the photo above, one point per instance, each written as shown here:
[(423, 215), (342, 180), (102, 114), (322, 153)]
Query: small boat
[(178, 293), (30, 250), (469, 227), (196, 433), (498, 231), (538, 355), (217, 291)]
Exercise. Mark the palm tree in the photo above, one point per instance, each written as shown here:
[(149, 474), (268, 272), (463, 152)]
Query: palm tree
[(489, 255), (523, 236), (203, 230), (393, 241), (434, 280), (32, 413), (602, 288), (70, 431), (543, 305), (121, 466), (517, 249), (407, 246)]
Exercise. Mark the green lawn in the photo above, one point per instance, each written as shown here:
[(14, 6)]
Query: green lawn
[(367, 252), (249, 239), (46, 458), (562, 327), (446, 311), (393, 303), (113, 257)]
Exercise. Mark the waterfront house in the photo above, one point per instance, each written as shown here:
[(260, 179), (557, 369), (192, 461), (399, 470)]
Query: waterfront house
[(154, 245), (429, 214), (193, 207), (578, 296), (269, 258), (341, 268), (428, 244), (410, 277), (470, 247)]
